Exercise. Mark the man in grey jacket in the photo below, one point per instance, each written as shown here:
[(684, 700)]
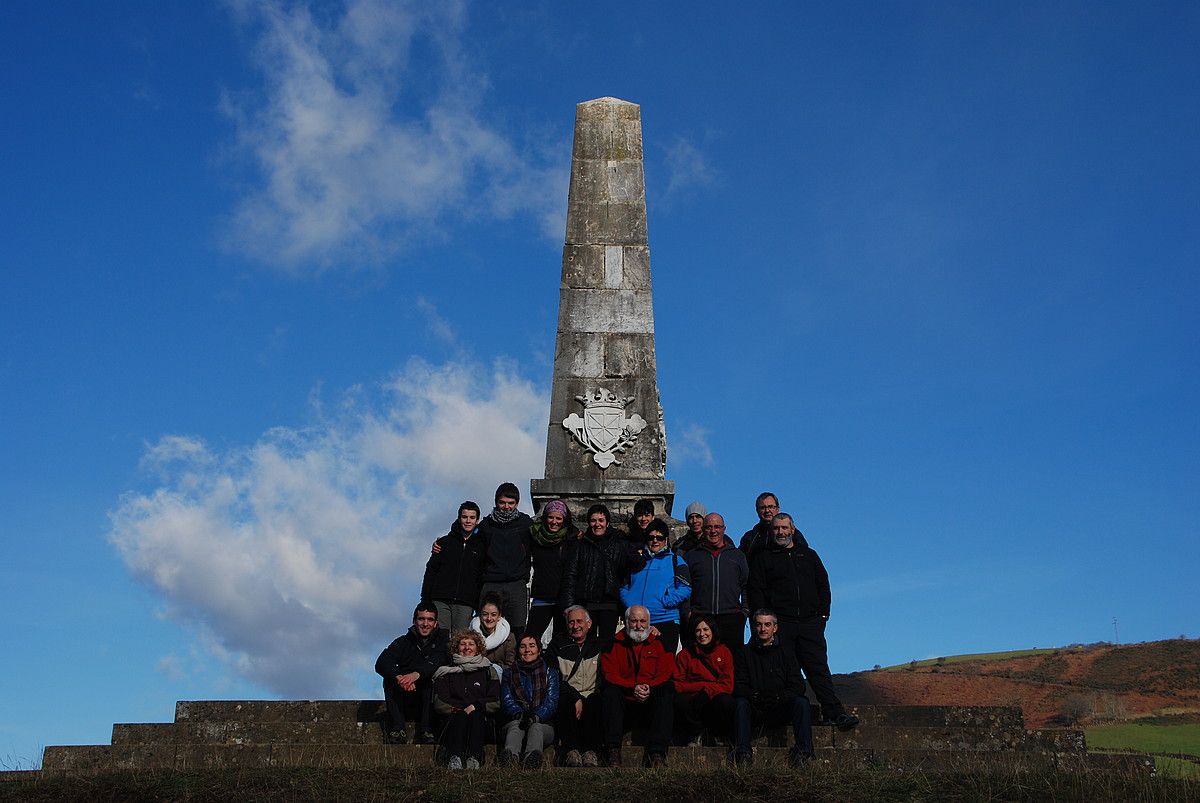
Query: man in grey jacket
[(719, 572)]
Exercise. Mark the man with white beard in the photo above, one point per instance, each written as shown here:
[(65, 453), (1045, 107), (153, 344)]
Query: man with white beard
[(637, 683)]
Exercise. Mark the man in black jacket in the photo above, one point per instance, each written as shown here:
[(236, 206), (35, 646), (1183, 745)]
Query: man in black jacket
[(789, 578), (768, 690), (766, 505), (407, 666), (719, 574), (505, 532)]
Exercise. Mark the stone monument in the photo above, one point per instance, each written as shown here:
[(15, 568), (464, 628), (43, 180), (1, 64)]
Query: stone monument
[(606, 440)]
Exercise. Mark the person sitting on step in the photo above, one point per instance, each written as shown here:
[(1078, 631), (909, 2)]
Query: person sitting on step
[(464, 691), (407, 666), (529, 699)]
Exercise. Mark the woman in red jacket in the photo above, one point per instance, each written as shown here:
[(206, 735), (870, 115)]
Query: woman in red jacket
[(703, 683)]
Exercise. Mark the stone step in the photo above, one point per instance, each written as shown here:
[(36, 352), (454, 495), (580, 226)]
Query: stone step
[(372, 711), (871, 737), (102, 758)]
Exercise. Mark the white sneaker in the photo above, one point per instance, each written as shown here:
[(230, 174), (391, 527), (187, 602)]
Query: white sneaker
[(455, 763), (472, 763)]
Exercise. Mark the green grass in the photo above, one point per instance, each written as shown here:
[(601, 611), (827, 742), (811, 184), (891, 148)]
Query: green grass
[(1156, 739), (765, 785), (983, 656)]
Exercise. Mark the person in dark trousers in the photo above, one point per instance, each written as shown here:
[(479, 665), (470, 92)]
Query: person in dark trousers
[(598, 565), (454, 572), (505, 531), (552, 535), (661, 585), (576, 654), (789, 578), (407, 666), (464, 692), (718, 573), (768, 690), (766, 505), (637, 685), (703, 683)]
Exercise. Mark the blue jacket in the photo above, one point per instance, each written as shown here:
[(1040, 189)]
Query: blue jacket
[(661, 585), (512, 707)]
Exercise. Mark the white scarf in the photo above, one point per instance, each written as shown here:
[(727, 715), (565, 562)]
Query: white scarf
[(498, 635), (462, 663)]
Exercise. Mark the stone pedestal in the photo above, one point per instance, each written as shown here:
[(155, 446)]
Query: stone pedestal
[(606, 441)]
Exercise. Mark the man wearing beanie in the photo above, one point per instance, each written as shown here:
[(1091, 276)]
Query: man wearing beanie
[(505, 533), (695, 522)]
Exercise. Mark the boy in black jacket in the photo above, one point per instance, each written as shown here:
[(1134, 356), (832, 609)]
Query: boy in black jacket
[(407, 666)]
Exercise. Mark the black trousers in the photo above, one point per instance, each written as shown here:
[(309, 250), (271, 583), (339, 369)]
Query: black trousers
[(540, 617), (656, 714), (604, 625), (668, 634), (795, 710), (807, 642), (695, 711), (408, 706), (463, 736), (578, 734)]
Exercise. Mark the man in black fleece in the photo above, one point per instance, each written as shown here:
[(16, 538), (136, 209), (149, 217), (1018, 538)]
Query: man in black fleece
[(768, 690), (766, 505), (407, 666), (505, 534), (788, 577)]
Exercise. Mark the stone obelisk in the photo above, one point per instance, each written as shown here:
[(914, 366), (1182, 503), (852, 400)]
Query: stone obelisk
[(606, 440)]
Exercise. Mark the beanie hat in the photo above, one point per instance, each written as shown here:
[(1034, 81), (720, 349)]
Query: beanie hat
[(695, 508), (555, 506)]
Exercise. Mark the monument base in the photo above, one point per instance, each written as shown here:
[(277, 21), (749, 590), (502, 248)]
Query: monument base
[(619, 495)]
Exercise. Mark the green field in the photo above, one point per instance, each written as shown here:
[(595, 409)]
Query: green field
[(1184, 738), (983, 656)]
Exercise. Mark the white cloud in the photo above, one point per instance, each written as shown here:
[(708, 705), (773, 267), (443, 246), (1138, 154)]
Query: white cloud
[(687, 169), (298, 557), (362, 147), (691, 446)]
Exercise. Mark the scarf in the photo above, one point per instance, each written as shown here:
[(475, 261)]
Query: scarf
[(537, 676), (462, 663), (544, 537), (498, 635), (504, 516)]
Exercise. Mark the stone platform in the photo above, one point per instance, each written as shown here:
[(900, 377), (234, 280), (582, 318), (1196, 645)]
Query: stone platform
[(349, 734)]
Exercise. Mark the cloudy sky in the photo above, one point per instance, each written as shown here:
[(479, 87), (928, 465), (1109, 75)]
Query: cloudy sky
[(278, 288)]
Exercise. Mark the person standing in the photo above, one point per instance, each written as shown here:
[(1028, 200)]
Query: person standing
[(789, 578), (552, 535), (718, 573), (661, 585), (453, 574), (499, 643), (695, 529), (599, 564), (766, 505), (505, 532)]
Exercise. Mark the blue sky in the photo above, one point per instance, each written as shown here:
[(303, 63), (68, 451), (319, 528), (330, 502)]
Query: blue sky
[(278, 289)]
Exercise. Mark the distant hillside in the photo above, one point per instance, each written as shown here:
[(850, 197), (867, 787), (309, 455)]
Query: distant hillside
[(1055, 687)]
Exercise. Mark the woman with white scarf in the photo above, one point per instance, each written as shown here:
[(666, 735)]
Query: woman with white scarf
[(500, 646), (464, 692)]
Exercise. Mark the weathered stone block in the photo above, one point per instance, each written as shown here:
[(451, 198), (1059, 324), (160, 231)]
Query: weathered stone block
[(630, 311)]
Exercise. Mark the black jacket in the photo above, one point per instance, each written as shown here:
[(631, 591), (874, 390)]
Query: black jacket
[(791, 582), (685, 543), (507, 549), (456, 573), (411, 653), (548, 568), (755, 539), (596, 568), (718, 581), (766, 675)]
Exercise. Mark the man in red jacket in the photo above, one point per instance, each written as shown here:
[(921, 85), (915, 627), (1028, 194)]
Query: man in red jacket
[(637, 682)]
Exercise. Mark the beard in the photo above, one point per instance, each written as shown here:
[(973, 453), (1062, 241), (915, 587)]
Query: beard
[(638, 636)]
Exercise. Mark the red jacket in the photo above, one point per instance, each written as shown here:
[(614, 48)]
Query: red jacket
[(627, 663), (692, 676)]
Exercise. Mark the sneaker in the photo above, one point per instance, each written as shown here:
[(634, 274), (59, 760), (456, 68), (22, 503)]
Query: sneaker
[(532, 760), (472, 763), (455, 763), (590, 759), (424, 737), (845, 721), (697, 742), (395, 737), (743, 759), (573, 759)]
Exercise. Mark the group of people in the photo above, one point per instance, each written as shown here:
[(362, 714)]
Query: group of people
[(476, 658)]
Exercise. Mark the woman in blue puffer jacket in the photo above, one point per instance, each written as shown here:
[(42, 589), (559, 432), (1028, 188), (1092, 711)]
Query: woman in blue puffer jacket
[(661, 585), (529, 699)]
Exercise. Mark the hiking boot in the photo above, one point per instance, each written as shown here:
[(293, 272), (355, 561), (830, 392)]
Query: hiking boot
[(424, 737), (472, 763), (743, 759), (573, 759), (845, 721), (395, 737), (532, 760), (657, 761), (590, 759), (455, 763), (614, 756), (798, 758)]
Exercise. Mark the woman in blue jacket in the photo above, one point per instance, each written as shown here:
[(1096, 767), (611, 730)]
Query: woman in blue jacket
[(529, 698), (661, 585)]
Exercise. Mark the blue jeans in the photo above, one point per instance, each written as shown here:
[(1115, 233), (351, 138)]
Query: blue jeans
[(799, 712)]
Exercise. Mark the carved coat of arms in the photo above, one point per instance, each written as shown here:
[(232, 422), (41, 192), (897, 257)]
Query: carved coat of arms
[(604, 429)]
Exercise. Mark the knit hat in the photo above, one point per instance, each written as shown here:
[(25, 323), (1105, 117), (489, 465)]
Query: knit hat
[(555, 506), (696, 508)]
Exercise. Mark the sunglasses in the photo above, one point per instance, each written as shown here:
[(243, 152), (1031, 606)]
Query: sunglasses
[(656, 537)]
